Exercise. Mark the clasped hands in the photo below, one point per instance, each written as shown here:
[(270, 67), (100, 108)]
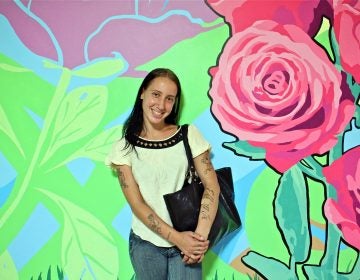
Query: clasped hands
[(193, 247)]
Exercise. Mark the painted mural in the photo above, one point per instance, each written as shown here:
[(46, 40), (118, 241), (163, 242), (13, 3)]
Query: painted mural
[(273, 85)]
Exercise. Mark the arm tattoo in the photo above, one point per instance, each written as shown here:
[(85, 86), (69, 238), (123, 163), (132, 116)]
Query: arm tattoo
[(205, 211), (122, 180), (206, 161), (154, 224), (209, 194)]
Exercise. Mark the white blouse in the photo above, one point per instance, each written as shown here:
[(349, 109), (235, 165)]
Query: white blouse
[(159, 167)]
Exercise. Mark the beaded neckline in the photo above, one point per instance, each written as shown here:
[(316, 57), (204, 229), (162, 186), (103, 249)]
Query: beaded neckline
[(158, 144)]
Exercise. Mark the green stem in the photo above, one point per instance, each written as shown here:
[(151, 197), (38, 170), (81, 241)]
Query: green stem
[(312, 168), (333, 239), (58, 96)]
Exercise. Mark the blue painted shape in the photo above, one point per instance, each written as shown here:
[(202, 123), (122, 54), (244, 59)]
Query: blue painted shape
[(210, 129), (5, 191), (7, 178), (352, 137), (81, 169), (36, 232), (36, 118), (122, 222), (8, 173)]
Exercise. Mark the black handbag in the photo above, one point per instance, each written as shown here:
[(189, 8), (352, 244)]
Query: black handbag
[(184, 205)]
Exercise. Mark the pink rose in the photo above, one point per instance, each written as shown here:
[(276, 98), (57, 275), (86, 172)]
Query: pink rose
[(344, 175), (275, 88), (347, 33), (241, 14)]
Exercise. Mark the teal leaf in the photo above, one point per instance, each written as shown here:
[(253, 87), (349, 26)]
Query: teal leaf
[(88, 248), (320, 272), (79, 113), (6, 127), (243, 148), (271, 269), (291, 212)]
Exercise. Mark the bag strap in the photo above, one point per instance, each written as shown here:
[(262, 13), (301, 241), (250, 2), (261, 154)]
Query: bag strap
[(191, 169)]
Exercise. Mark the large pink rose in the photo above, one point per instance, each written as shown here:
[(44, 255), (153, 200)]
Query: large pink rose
[(347, 33), (344, 175), (275, 88), (240, 14)]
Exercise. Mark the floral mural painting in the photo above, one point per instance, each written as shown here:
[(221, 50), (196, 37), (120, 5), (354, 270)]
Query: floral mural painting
[(276, 92), (290, 102), (68, 70)]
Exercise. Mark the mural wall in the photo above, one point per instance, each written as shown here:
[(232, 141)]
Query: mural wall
[(275, 91)]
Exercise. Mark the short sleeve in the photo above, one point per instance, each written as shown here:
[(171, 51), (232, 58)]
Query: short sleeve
[(119, 155), (197, 142)]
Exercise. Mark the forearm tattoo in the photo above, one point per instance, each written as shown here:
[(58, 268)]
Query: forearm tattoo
[(204, 211), (207, 162), (205, 207), (121, 177), (154, 224), (209, 194)]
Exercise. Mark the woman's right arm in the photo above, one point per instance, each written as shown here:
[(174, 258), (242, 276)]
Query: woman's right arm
[(190, 243)]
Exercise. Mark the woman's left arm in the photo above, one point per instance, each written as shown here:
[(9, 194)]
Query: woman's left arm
[(210, 198)]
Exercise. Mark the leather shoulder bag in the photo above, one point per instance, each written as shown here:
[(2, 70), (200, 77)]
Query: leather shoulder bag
[(184, 205)]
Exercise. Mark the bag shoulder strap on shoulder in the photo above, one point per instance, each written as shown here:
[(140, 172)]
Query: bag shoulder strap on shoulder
[(184, 130)]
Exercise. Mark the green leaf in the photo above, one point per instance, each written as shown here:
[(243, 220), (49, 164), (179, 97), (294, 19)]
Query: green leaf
[(101, 68), (291, 212), (11, 68), (7, 267), (79, 114), (6, 127), (271, 269), (98, 147), (243, 148), (87, 246)]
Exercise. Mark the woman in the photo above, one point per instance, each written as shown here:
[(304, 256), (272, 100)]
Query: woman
[(150, 161)]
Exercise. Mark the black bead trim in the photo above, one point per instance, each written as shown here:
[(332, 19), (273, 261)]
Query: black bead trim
[(158, 144)]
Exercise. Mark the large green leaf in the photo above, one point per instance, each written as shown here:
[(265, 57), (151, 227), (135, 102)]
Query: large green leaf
[(13, 68), (98, 147), (6, 127), (101, 68), (291, 211), (79, 113), (88, 248)]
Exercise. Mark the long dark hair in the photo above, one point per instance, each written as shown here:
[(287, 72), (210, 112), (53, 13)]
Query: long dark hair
[(134, 123)]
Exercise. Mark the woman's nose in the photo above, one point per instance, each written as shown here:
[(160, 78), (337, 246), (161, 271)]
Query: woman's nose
[(162, 103)]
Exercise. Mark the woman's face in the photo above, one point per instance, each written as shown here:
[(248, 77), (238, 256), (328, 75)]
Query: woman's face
[(158, 100)]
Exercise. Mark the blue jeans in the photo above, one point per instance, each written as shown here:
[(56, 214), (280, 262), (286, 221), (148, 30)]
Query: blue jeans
[(160, 263)]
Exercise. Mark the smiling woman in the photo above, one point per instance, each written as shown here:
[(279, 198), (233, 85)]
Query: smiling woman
[(150, 161)]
